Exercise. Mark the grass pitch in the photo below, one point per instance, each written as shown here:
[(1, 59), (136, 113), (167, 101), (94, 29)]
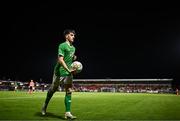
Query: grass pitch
[(90, 106)]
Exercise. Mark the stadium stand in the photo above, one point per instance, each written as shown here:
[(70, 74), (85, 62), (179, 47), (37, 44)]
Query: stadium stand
[(124, 85), (100, 85)]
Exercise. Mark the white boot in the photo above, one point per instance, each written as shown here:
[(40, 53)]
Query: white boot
[(69, 115)]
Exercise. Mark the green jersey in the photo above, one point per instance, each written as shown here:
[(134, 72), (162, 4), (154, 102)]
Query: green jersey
[(67, 51)]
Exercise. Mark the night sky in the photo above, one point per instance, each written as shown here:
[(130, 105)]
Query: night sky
[(125, 42)]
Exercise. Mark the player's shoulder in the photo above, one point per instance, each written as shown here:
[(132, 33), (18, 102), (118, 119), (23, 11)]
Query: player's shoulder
[(62, 43)]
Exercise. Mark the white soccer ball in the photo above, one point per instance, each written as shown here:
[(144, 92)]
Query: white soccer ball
[(77, 65)]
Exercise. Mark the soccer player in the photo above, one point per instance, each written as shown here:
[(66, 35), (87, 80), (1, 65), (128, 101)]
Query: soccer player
[(31, 86), (63, 73)]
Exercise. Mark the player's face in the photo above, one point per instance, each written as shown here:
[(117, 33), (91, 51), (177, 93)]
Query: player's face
[(70, 37)]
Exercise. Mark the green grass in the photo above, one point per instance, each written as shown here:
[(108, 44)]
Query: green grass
[(91, 106)]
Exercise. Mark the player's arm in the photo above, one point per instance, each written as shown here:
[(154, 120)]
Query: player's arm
[(62, 62)]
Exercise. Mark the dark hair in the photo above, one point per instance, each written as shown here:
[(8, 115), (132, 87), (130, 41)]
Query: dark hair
[(67, 31)]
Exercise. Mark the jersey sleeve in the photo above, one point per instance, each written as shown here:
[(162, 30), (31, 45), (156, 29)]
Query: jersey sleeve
[(61, 50)]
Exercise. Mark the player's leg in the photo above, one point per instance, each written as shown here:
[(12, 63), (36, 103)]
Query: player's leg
[(30, 88), (67, 100), (53, 88)]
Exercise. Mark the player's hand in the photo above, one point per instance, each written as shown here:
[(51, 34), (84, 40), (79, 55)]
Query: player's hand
[(74, 57), (73, 71)]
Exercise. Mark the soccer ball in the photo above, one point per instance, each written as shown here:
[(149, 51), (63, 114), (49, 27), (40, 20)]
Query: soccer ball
[(77, 65)]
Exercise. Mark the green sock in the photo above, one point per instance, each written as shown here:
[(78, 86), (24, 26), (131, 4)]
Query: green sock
[(67, 102)]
